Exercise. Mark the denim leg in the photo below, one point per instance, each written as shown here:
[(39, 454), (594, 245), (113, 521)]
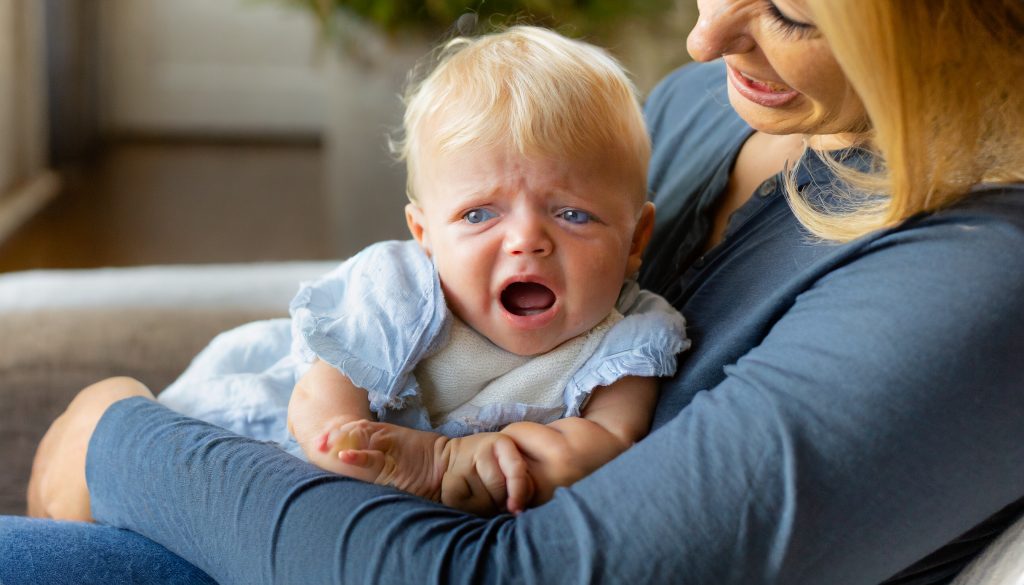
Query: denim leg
[(45, 552)]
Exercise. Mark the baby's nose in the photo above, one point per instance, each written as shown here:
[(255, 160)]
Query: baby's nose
[(527, 236)]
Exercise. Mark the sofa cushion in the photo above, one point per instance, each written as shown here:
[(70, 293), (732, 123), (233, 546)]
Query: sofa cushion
[(48, 356), (61, 330)]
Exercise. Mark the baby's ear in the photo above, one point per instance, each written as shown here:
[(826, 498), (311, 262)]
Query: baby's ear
[(416, 221), (641, 237)]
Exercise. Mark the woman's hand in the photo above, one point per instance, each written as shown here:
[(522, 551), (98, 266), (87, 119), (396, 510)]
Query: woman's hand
[(57, 487)]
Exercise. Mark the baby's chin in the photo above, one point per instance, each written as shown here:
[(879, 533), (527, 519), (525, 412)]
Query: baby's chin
[(526, 349), (536, 342), (525, 343), (528, 326)]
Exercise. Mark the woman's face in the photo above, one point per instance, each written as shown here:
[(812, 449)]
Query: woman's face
[(782, 76)]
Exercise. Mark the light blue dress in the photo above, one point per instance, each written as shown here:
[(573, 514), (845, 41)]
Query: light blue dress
[(376, 317)]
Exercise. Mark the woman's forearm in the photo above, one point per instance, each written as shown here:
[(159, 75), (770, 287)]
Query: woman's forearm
[(247, 512)]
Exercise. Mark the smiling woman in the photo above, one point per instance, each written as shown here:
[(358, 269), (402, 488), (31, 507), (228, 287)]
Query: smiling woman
[(782, 78), (793, 66), (945, 111), (849, 412)]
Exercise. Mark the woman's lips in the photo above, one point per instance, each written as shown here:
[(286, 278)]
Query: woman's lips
[(760, 92)]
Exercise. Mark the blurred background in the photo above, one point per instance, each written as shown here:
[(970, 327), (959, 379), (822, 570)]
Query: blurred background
[(195, 131)]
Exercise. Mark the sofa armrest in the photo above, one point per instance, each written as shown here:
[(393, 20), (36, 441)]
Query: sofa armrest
[(63, 330), (48, 356)]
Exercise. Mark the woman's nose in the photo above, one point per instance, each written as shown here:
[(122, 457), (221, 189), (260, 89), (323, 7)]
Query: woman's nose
[(527, 236), (721, 29)]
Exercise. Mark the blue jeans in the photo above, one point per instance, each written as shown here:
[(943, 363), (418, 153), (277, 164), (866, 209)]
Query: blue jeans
[(44, 552)]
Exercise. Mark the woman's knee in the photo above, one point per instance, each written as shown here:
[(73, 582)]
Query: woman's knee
[(111, 390), (57, 486)]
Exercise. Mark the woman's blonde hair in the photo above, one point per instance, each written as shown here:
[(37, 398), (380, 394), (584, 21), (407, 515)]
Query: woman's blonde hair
[(941, 82), (531, 89)]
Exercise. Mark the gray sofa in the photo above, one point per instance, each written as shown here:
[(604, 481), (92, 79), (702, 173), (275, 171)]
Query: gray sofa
[(62, 330)]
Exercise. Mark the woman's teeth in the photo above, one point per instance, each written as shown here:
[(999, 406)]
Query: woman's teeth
[(764, 85)]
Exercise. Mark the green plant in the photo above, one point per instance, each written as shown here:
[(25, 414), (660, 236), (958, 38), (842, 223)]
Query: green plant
[(393, 16)]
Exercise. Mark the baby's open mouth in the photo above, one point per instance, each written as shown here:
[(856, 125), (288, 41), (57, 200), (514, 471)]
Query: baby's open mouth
[(527, 298)]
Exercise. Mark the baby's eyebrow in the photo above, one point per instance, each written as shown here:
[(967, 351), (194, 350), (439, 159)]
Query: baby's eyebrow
[(468, 199), (473, 195), (572, 197)]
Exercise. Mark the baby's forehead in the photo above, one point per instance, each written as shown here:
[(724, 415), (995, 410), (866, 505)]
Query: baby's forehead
[(473, 177), (479, 157)]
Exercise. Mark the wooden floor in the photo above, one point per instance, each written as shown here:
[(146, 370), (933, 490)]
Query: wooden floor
[(157, 203)]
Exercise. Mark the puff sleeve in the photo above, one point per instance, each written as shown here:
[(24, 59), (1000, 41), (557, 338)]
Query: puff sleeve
[(373, 318)]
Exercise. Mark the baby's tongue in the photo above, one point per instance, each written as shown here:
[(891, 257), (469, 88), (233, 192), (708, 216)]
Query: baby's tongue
[(527, 298)]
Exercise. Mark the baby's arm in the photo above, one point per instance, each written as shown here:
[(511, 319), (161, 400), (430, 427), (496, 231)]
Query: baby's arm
[(323, 398), (330, 418), (487, 472), (568, 449)]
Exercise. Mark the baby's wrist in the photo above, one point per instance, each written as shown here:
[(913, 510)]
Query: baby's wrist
[(446, 450), (441, 448)]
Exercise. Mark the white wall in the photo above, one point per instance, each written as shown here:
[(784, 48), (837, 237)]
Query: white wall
[(8, 86), (25, 184), (22, 127), (219, 66)]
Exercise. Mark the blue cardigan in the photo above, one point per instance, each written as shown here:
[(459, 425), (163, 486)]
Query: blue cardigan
[(845, 410)]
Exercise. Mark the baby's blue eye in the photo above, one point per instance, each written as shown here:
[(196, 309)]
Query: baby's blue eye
[(576, 216), (478, 215)]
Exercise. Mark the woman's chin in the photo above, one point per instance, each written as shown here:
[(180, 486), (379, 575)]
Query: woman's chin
[(774, 121)]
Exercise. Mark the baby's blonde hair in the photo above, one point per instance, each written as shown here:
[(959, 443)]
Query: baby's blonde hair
[(531, 89)]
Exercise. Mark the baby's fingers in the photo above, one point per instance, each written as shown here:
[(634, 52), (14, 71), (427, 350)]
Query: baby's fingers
[(488, 470), (356, 434), (365, 465), (518, 482), (371, 459)]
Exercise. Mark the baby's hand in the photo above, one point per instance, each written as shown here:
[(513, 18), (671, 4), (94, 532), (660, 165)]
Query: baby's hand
[(385, 454), (486, 474)]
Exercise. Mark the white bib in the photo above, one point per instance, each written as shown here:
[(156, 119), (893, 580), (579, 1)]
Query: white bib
[(470, 372)]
